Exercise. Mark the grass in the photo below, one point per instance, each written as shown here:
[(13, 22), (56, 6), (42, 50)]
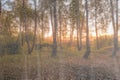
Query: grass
[(67, 64)]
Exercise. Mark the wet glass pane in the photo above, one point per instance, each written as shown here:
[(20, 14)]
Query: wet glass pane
[(59, 40)]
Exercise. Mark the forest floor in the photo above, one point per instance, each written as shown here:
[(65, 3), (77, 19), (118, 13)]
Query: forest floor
[(67, 65)]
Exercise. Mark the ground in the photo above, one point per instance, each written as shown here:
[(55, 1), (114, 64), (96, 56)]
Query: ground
[(67, 65)]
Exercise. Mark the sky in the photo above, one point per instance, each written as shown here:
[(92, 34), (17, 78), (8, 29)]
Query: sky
[(109, 29)]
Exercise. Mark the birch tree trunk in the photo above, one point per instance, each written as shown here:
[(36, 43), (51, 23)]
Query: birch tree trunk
[(54, 49), (87, 53)]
